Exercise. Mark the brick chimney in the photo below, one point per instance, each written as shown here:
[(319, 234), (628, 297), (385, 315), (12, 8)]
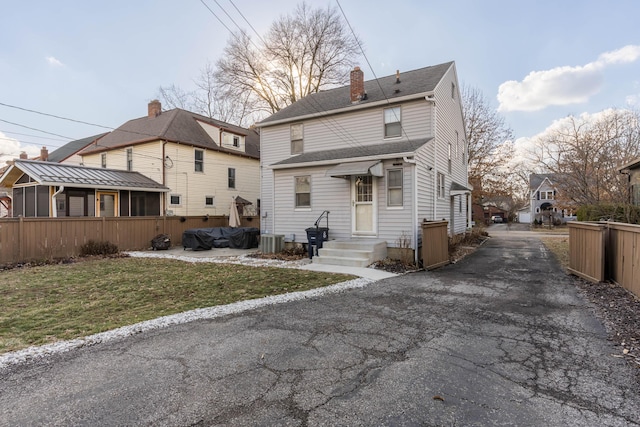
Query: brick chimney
[(23, 156), (357, 84), (44, 154), (155, 108)]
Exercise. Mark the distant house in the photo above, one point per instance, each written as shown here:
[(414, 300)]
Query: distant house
[(47, 189), (204, 163), (632, 170), (68, 153), (380, 155), (545, 202)]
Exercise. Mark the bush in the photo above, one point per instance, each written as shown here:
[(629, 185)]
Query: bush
[(98, 248), (609, 212)]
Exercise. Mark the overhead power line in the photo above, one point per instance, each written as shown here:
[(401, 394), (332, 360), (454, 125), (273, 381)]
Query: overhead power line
[(54, 116)]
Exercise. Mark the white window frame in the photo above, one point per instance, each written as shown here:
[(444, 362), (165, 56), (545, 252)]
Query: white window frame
[(212, 204), (129, 152), (390, 188), (179, 196), (395, 114), (236, 141), (198, 162), (440, 185), (296, 133), (103, 160), (295, 193), (230, 177)]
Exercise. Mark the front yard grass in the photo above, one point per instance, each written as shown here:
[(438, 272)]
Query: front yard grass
[(49, 303)]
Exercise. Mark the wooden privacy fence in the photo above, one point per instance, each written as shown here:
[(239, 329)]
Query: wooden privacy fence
[(435, 244), (606, 250), (26, 239)]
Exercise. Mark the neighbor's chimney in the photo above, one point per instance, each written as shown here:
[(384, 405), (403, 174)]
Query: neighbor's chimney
[(44, 154), (155, 108), (397, 76), (23, 156), (357, 84)]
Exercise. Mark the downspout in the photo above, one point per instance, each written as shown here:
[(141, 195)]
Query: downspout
[(163, 161), (414, 214), (54, 205), (430, 98)]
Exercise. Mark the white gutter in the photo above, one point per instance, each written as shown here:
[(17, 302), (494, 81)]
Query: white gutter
[(54, 205), (414, 214), (344, 160)]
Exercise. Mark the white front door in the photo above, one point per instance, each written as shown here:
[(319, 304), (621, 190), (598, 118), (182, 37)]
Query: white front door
[(363, 202)]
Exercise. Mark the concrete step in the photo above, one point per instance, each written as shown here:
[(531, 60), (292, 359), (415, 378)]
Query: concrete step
[(349, 253), (332, 260)]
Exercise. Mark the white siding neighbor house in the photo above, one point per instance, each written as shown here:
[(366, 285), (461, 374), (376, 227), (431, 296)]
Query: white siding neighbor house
[(205, 163), (380, 155)]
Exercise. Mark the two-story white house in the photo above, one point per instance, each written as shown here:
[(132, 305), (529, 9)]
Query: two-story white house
[(205, 163), (381, 156)]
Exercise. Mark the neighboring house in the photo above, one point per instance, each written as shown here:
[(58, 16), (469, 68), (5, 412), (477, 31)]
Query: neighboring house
[(47, 189), (68, 153), (632, 170), (381, 156), (545, 206), (205, 163)]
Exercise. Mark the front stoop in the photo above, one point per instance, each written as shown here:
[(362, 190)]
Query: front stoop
[(353, 253)]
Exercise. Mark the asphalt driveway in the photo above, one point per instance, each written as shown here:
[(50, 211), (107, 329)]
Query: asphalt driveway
[(501, 338)]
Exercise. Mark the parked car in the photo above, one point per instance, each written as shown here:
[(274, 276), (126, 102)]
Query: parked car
[(496, 219)]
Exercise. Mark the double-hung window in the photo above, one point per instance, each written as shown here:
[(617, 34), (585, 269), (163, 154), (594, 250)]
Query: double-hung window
[(297, 138), (392, 122), (129, 159), (231, 177), (394, 188), (303, 191), (198, 160), (103, 160), (440, 185)]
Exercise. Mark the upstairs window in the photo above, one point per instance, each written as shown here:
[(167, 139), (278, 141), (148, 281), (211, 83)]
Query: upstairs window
[(231, 175), (297, 138), (453, 90), (209, 201), (236, 141), (103, 160), (392, 124), (129, 159), (199, 160)]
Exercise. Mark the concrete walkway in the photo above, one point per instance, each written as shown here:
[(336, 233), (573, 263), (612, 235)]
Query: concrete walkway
[(500, 338)]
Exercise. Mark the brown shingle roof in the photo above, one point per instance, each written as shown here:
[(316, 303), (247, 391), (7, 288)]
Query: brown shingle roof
[(175, 125)]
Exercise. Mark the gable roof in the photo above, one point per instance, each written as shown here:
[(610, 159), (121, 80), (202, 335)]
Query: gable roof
[(71, 148), (536, 179), (175, 125), (376, 151), (415, 83), (635, 164), (48, 173)]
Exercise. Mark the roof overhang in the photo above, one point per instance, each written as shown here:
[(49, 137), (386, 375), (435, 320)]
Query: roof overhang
[(629, 166), (459, 189), (346, 170), (337, 161)]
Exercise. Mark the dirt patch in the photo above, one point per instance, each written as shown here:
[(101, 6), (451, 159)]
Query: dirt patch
[(619, 311)]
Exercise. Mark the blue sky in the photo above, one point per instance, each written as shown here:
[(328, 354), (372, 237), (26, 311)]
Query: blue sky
[(102, 62)]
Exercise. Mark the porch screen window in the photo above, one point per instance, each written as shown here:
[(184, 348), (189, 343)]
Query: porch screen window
[(297, 138), (392, 125), (303, 191), (394, 187), (440, 185), (199, 160)]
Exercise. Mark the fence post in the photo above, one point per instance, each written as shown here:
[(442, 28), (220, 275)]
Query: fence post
[(21, 237)]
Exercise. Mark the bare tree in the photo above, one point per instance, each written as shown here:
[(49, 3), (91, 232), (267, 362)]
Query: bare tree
[(208, 99), (490, 144), (302, 53), (587, 153)]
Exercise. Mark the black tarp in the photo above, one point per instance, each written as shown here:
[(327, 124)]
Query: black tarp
[(199, 239)]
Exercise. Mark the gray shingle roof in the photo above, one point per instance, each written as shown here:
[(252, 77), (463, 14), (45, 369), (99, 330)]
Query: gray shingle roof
[(175, 125), (71, 148), (377, 150), (535, 179), (415, 82), (48, 173)]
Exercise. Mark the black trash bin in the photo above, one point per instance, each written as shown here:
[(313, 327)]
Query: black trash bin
[(315, 237)]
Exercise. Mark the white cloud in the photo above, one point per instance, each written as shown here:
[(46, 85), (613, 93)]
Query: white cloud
[(10, 148), (562, 85), (54, 62)]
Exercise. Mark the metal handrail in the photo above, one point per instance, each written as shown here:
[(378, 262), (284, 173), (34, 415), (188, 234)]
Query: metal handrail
[(324, 214)]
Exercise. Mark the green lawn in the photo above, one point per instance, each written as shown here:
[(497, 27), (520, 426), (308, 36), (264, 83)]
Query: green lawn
[(44, 304)]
